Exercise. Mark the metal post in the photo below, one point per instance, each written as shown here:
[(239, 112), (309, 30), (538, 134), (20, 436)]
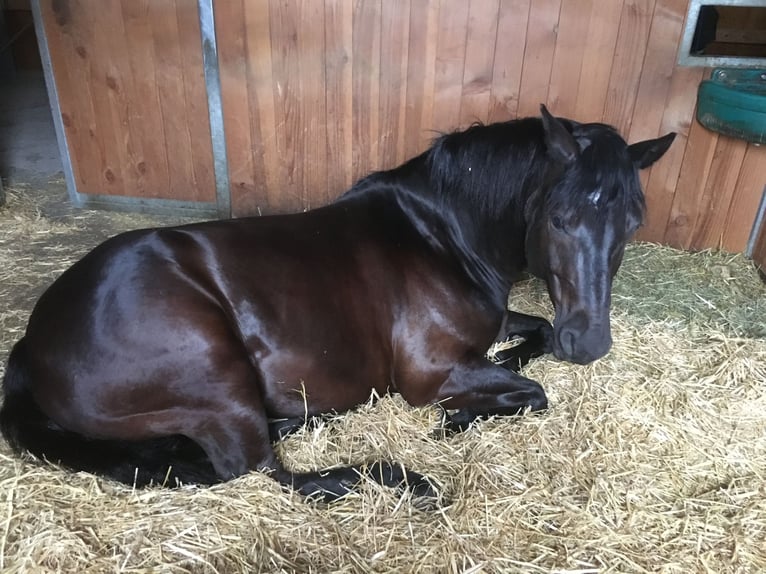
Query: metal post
[(53, 98), (758, 225), (215, 106)]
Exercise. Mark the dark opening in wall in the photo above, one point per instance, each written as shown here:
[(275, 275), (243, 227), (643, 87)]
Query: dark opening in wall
[(729, 33)]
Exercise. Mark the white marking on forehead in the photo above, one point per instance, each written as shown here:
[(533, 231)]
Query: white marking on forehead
[(595, 196)]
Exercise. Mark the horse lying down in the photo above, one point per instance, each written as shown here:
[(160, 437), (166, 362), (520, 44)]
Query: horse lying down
[(164, 353)]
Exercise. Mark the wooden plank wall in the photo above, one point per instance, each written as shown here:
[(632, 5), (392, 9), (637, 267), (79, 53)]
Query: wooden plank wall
[(319, 92), (132, 95)]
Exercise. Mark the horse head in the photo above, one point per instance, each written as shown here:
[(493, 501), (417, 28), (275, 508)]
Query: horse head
[(578, 222)]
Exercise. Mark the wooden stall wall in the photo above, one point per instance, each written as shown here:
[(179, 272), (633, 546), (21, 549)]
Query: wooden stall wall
[(132, 95), (317, 93)]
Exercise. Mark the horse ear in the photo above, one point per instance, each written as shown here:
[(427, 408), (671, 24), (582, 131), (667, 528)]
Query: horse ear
[(561, 144), (645, 153)]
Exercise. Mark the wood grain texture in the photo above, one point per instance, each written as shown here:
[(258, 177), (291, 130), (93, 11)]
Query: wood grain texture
[(597, 59), (662, 183), (421, 70), (750, 187), (481, 37), (700, 150), (317, 93), (450, 64), (366, 86), (248, 184), (718, 192), (398, 73), (512, 22), (339, 95), (132, 96), (627, 63), (540, 47), (394, 57), (567, 64)]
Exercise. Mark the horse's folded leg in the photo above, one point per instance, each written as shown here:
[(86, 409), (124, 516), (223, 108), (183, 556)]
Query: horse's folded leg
[(281, 428), (516, 358), (332, 484), (536, 331), (396, 476), (479, 389)]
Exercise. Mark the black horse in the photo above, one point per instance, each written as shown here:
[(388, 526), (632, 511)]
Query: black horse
[(164, 353)]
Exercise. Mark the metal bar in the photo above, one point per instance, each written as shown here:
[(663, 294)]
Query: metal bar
[(53, 100), (155, 206), (215, 106), (758, 225)]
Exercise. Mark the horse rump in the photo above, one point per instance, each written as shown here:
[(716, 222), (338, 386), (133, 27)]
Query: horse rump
[(168, 461)]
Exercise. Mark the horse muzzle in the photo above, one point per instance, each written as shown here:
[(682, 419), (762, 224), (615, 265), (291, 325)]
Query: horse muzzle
[(579, 340)]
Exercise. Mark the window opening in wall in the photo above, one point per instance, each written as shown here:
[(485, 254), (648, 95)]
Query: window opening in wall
[(729, 33)]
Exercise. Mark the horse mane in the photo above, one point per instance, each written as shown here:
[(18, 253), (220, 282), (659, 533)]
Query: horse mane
[(487, 166)]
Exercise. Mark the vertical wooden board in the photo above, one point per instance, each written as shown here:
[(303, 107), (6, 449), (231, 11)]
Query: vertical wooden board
[(538, 55), (82, 61), (695, 168), (126, 135), (627, 63), (450, 62), (394, 42), (366, 85), (662, 185), (657, 71), (600, 42), (338, 43), (246, 195), (120, 76), (512, 19), (285, 58), (152, 167), (195, 111), (71, 50), (481, 37), (167, 52), (103, 74), (718, 193), (421, 61), (568, 57), (312, 150), (747, 197), (268, 171)]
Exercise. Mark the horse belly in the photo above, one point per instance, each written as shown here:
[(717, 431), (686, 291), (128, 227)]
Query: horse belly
[(319, 380)]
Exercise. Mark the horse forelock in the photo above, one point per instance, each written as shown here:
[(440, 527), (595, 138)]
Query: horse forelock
[(603, 177)]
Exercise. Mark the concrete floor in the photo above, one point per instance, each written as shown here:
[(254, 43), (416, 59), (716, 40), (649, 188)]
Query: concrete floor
[(29, 152)]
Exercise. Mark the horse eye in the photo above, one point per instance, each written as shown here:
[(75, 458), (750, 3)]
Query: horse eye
[(557, 223)]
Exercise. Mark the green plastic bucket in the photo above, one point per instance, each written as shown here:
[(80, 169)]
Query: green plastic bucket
[(733, 102)]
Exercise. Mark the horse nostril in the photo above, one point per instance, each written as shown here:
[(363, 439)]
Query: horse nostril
[(571, 340), (567, 341)]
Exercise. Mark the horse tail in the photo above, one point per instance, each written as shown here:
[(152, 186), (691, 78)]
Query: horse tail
[(160, 461)]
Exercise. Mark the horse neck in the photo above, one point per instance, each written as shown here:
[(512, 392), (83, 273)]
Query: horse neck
[(488, 236), (496, 231)]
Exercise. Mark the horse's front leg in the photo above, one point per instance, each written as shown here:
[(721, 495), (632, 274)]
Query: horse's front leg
[(533, 335), (480, 389)]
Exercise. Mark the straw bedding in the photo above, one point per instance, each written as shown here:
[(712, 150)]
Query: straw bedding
[(652, 459)]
